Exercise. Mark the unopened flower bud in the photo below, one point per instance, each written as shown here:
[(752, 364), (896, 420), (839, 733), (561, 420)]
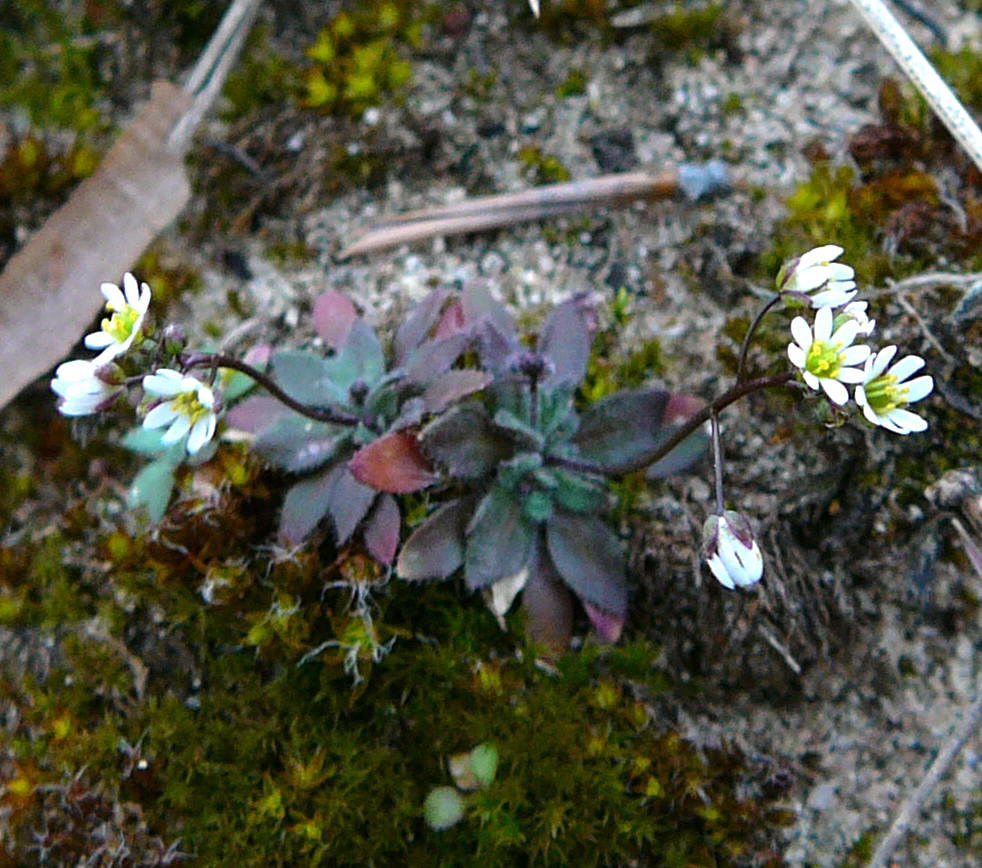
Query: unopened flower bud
[(731, 550), (173, 338)]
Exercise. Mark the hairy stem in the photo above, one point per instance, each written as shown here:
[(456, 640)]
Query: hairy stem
[(218, 360), (750, 333)]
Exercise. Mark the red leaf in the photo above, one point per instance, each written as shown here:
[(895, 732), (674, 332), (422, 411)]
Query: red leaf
[(451, 322), (607, 625), (393, 463), (334, 314)]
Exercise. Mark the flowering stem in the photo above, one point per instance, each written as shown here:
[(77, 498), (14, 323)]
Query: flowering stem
[(738, 391), (218, 360), (750, 333), (717, 462)]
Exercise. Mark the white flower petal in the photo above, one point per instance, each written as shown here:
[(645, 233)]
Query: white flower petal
[(818, 255), (823, 325), (811, 379), (801, 332), (876, 365), (98, 340), (176, 431), (907, 420), (855, 355), (810, 278), (131, 290), (164, 382), (113, 296), (918, 388), (797, 355), (851, 375), (162, 414), (905, 367), (845, 334), (839, 271), (718, 570), (835, 390), (868, 412)]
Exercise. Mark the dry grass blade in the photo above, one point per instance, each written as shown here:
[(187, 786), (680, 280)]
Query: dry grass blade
[(48, 291)]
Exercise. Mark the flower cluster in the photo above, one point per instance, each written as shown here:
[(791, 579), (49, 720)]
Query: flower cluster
[(832, 359), (829, 358), (182, 403)]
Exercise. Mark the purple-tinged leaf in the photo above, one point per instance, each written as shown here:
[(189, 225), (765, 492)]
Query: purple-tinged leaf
[(334, 315), (619, 431), (256, 414), (382, 529), (410, 415), (435, 550), (500, 540), (297, 444), (479, 305), (417, 326), (305, 377), (394, 463), (590, 559), (565, 343), (496, 350), (465, 442), (452, 386), (434, 358), (548, 606), (361, 358), (451, 322), (258, 356), (679, 409), (305, 504), (348, 504), (608, 626)]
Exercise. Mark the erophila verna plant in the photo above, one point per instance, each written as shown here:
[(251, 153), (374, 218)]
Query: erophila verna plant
[(516, 464)]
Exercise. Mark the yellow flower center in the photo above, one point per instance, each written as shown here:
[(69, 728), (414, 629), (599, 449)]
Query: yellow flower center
[(187, 404), (884, 395), (120, 327), (824, 360)]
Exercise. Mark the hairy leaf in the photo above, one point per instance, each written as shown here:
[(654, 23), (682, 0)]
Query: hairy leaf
[(576, 493), (434, 358), (435, 549), (565, 343), (607, 625), (465, 442), (478, 305), (152, 487), (548, 605), (382, 529), (305, 377), (361, 358), (393, 463), (690, 450), (500, 540), (620, 430), (513, 472), (348, 504), (451, 386), (256, 414), (305, 504), (417, 326), (146, 441), (590, 559), (297, 444), (333, 316), (524, 436)]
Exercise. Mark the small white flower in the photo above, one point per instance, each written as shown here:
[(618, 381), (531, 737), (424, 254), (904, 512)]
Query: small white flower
[(731, 550), (825, 359), (856, 310), (85, 387), (815, 270), (190, 409), (125, 327), (884, 394)]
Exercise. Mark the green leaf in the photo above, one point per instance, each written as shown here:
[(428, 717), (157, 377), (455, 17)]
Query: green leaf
[(306, 377), (525, 436), (361, 358), (297, 444), (146, 441), (152, 487), (465, 442), (500, 540), (436, 548), (576, 493), (511, 473), (590, 559)]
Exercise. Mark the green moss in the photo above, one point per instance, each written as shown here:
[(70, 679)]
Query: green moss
[(861, 851), (689, 28), (263, 77), (542, 168), (358, 59), (574, 85), (962, 70)]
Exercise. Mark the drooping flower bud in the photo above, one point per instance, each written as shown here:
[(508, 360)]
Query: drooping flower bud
[(731, 550)]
